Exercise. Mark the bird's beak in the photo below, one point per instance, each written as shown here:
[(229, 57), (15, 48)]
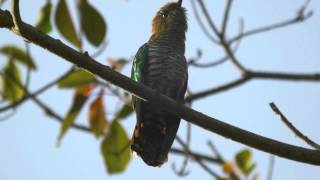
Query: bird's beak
[(179, 2)]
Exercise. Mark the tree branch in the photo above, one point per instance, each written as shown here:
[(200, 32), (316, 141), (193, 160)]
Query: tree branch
[(84, 61), (283, 118), (226, 17), (202, 26), (300, 17)]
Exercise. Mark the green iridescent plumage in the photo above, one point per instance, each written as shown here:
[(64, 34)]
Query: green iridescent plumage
[(138, 62)]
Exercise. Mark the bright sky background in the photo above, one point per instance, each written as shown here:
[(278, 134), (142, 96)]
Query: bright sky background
[(28, 139)]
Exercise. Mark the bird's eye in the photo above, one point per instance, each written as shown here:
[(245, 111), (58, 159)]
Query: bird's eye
[(164, 14)]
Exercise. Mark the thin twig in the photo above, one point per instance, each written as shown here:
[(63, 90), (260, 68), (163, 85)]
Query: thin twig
[(28, 75), (300, 17), (101, 49), (226, 17), (203, 165), (216, 152), (218, 89), (194, 62), (182, 171), (271, 167), (283, 118), (197, 155), (202, 26), (208, 18)]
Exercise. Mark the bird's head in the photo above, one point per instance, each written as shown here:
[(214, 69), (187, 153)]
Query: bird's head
[(171, 17)]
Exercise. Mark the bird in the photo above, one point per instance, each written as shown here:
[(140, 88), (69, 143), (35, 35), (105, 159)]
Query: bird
[(161, 65)]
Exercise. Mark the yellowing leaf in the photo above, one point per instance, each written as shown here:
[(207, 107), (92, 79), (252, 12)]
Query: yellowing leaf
[(117, 64), (18, 54), (77, 78), (124, 112), (228, 167), (115, 149), (10, 83), (97, 116), (64, 23), (44, 22), (92, 23), (80, 97), (243, 160)]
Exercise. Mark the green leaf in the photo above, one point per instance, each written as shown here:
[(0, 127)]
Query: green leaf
[(115, 149), (92, 23), (77, 78), (80, 97), (97, 116), (18, 54), (44, 22), (10, 83), (124, 112), (64, 23), (243, 160)]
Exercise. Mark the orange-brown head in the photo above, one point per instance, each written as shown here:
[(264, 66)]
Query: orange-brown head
[(170, 18)]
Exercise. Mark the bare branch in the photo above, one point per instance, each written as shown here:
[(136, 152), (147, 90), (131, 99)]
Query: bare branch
[(218, 89), (226, 17), (300, 17), (285, 76), (183, 172), (204, 166), (208, 18), (250, 75), (271, 167), (197, 155), (202, 26), (298, 133)]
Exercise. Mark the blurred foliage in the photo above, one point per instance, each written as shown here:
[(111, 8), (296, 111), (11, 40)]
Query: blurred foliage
[(65, 24), (44, 22), (92, 23), (77, 78), (15, 53), (97, 115), (11, 82), (243, 161), (115, 148), (81, 95)]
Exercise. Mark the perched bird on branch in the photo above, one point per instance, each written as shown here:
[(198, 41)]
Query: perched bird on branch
[(160, 64)]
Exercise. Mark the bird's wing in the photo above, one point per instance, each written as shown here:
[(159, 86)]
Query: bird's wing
[(138, 63), (139, 60)]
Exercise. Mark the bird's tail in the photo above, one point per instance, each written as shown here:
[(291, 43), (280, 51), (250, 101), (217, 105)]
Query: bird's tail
[(154, 134)]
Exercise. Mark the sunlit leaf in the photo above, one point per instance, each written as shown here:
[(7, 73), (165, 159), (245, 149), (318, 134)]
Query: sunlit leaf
[(124, 112), (80, 97), (92, 23), (243, 160), (117, 64), (77, 78), (10, 82), (18, 54), (44, 22), (64, 23), (97, 115), (115, 149)]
